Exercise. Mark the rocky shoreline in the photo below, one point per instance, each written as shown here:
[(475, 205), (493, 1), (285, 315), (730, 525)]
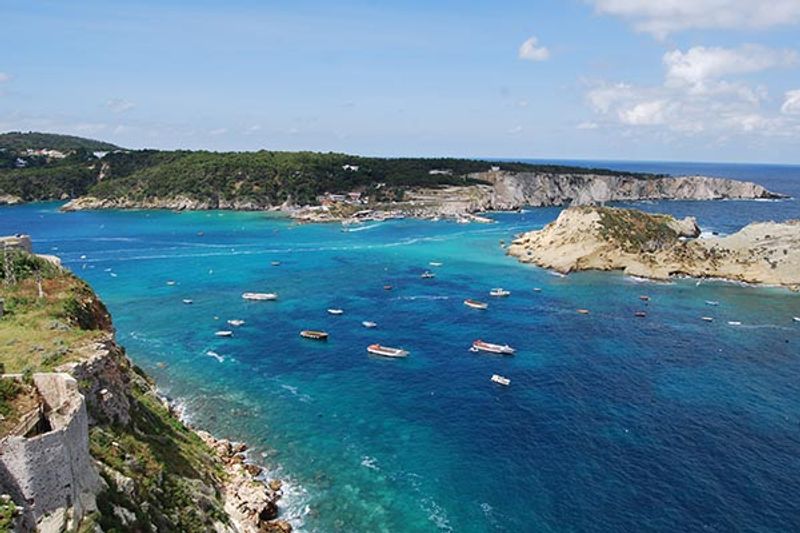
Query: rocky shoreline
[(658, 247), (498, 191)]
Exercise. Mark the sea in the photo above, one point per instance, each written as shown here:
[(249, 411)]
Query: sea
[(611, 422)]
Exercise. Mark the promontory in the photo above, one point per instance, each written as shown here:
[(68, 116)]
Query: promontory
[(659, 246)]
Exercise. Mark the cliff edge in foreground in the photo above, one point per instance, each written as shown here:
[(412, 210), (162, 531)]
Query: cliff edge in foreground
[(659, 246), (86, 443)]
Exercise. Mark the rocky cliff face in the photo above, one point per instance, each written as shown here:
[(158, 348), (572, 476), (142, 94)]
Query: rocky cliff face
[(658, 246), (515, 190), (178, 203)]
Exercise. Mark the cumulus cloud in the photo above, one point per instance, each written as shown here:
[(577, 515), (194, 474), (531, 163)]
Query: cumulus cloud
[(119, 105), (699, 66), (702, 92), (791, 103), (531, 51), (662, 17)]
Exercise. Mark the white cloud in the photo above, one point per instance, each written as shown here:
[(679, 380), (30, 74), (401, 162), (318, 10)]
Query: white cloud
[(531, 51), (703, 91), (118, 105), (791, 103), (649, 113), (699, 68), (4, 77), (662, 17)]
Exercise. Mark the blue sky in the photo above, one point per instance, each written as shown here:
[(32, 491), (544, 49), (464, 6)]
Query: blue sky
[(709, 80)]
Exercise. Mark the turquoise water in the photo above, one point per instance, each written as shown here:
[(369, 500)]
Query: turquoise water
[(611, 422)]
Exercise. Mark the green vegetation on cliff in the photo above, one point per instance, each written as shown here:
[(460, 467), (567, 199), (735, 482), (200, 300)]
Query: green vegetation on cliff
[(260, 178), (160, 475)]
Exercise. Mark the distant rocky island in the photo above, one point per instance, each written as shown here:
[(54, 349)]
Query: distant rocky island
[(319, 187), (659, 246)]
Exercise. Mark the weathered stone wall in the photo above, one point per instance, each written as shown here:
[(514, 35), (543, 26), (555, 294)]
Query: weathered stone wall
[(52, 475)]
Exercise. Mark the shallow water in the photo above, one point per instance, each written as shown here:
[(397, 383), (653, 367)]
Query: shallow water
[(611, 422)]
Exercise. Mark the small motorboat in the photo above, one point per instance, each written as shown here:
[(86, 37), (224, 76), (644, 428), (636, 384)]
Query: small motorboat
[(314, 335), (583, 311), (369, 325), (385, 351), (707, 319), (236, 322), (113, 274), (171, 283), (501, 380), (335, 311), (260, 296), (537, 289), (435, 264), (734, 323), (644, 298), (475, 304), (796, 318), (187, 301), (499, 292), (712, 303), (224, 333), (428, 275), (481, 346), (276, 263), (640, 314), (387, 287)]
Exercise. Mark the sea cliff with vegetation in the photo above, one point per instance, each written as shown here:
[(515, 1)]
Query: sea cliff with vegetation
[(659, 246), (153, 472), (318, 186)]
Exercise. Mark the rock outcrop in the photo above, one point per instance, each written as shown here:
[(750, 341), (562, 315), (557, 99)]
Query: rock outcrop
[(658, 246)]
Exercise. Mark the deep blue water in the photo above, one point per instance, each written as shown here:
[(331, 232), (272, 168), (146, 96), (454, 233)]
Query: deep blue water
[(611, 422)]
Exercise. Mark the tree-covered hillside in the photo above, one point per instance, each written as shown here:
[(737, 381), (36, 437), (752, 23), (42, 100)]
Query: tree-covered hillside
[(259, 178), (18, 141)]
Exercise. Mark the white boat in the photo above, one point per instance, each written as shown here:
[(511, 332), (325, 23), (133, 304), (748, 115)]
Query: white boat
[(707, 319), (435, 264), (734, 323), (224, 333), (499, 292), (500, 380), (475, 304), (335, 311), (170, 283), (385, 351), (187, 301), (428, 275), (276, 263), (537, 289), (368, 324), (260, 296), (113, 274), (236, 322), (796, 318), (481, 346), (712, 303)]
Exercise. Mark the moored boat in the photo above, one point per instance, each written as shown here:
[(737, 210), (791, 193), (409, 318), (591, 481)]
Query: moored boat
[(314, 335), (369, 325), (170, 283), (475, 304), (796, 318), (481, 346), (537, 289), (236, 322), (224, 333), (712, 303), (335, 311), (387, 287), (187, 301), (428, 275), (583, 311), (640, 314), (501, 380), (707, 319), (499, 292), (385, 351), (260, 296), (734, 323), (644, 298), (435, 264), (275, 263)]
